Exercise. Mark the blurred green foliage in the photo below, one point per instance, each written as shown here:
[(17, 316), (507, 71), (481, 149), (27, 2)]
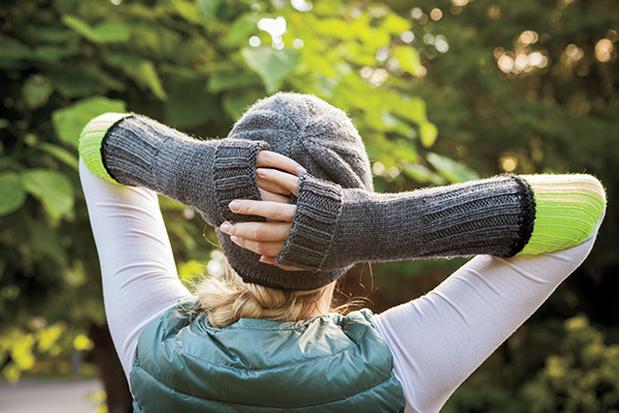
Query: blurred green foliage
[(523, 86)]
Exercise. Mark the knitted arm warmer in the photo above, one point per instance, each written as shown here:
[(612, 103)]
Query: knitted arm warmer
[(505, 215), (135, 150)]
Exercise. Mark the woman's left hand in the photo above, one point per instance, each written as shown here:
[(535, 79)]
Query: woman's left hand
[(277, 179)]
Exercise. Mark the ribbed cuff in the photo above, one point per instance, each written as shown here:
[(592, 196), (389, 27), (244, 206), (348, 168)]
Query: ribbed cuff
[(318, 207), (527, 217), (91, 141), (234, 175)]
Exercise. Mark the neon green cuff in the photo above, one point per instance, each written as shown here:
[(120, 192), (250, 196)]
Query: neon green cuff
[(91, 140), (567, 210)]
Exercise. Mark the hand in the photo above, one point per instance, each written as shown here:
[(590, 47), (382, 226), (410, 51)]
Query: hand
[(277, 179)]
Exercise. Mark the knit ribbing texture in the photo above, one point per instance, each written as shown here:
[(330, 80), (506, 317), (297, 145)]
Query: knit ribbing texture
[(204, 174), (336, 227)]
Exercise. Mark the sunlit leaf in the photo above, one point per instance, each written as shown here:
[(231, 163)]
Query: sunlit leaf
[(395, 24), (241, 29), (422, 174), (105, 32), (408, 59), (428, 134), (52, 188), (451, 170), (221, 81), (12, 193), (69, 121), (81, 342), (191, 270), (49, 336), (272, 65)]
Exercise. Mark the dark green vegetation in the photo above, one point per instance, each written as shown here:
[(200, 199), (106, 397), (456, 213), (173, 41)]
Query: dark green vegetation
[(439, 96)]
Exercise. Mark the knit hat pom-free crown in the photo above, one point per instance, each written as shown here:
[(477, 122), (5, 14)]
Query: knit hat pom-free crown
[(314, 133)]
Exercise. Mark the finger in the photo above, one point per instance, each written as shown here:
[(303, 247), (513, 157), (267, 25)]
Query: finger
[(273, 261), (261, 248), (283, 179), (271, 186), (258, 231), (270, 196), (269, 159), (267, 209)]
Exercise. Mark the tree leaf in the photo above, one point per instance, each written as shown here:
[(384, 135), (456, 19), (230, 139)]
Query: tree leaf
[(453, 171), (36, 90), (272, 65), (235, 103), (241, 29), (220, 81), (422, 174), (142, 71), (59, 153), (12, 193), (69, 121), (105, 32), (428, 134), (408, 59), (52, 188), (209, 9), (188, 104), (85, 80), (11, 49)]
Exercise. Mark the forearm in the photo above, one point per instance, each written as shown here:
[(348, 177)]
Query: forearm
[(503, 216), (204, 174)]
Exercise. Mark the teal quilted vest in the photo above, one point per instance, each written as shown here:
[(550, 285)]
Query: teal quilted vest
[(330, 363)]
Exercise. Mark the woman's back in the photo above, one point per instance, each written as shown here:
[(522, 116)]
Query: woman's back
[(329, 363)]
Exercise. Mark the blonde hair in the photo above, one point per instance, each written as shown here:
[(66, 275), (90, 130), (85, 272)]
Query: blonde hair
[(227, 298)]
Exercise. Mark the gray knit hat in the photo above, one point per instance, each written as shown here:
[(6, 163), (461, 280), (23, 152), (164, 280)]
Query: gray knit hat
[(320, 137)]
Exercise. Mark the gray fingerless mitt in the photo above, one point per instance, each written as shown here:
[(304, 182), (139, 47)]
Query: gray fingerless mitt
[(203, 174), (335, 227)]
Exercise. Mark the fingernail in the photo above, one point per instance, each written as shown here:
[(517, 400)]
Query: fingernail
[(234, 205), (261, 172), (234, 239), (301, 169), (226, 228)]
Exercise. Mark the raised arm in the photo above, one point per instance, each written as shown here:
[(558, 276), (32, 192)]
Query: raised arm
[(439, 339), (135, 150), (505, 215), (138, 272)]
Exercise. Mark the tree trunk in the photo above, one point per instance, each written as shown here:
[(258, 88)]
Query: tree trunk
[(114, 382)]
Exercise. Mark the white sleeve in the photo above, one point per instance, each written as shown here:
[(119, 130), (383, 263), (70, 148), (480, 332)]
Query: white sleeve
[(439, 339), (138, 272)]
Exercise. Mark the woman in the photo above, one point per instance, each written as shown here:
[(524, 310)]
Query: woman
[(290, 194)]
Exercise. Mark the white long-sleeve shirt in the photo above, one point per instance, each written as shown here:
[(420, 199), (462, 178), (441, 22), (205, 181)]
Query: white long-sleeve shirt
[(437, 340)]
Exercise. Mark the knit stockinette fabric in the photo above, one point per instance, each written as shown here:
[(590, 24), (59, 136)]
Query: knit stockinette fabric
[(204, 174), (503, 216), (336, 227)]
